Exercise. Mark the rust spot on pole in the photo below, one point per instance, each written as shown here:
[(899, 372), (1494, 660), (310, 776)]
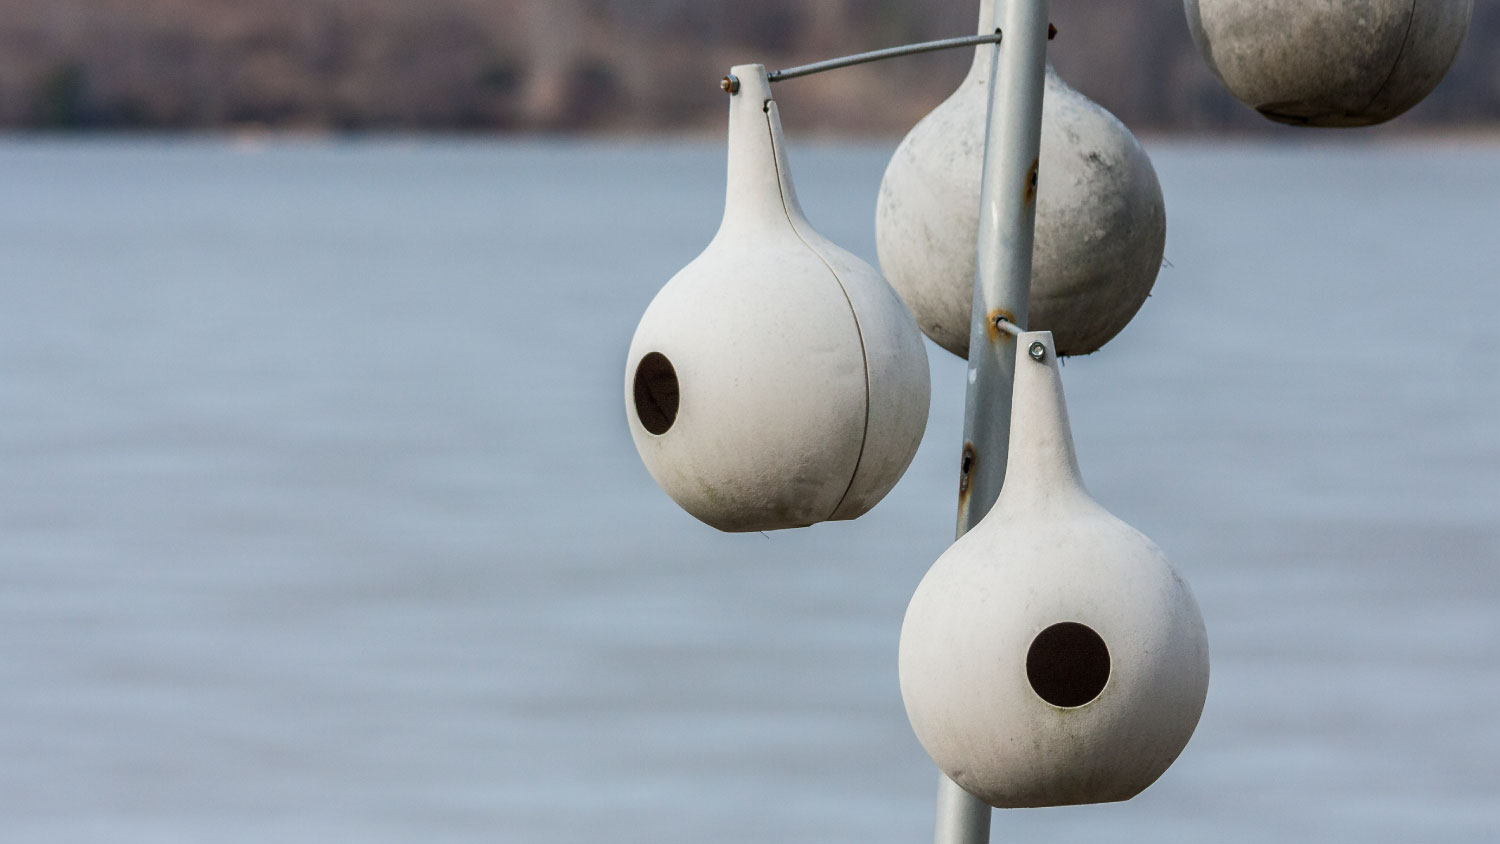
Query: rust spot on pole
[(1031, 182), (965, 473), (992, 324), (1051, 31)]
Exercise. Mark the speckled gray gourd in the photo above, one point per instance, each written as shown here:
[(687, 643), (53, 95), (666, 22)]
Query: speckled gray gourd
[(1350, 63), (1100, 223)]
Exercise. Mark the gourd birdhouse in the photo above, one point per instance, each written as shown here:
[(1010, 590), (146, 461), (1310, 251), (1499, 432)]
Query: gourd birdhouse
[(776, 381), (1329, 63), (1051, 656), (1100, 218)]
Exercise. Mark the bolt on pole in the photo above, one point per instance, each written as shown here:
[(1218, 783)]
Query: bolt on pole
[(1002, 290)]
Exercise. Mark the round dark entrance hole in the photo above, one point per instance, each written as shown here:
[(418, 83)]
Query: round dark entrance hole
[(656, 395), (1068, 664)]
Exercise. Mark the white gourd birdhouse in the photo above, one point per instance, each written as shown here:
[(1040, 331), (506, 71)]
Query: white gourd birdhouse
[(1329, 63), (1101, 223), (776, 381), (1051, 656)]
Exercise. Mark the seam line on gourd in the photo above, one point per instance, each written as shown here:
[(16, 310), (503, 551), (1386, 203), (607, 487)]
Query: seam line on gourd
[(864, 353), (1411, 24)]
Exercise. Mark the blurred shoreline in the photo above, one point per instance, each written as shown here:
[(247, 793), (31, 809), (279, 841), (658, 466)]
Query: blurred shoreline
[(627, 67), (1388, 135)]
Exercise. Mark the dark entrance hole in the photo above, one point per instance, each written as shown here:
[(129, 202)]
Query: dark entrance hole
[(656, 395), (1068, 664)]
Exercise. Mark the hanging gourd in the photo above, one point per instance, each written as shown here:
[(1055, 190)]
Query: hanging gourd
[(1051, 656), (1333, 62), (1100, 220), (776, 381)]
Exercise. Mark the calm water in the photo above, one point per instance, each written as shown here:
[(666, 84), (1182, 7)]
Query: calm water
[(319, 519)]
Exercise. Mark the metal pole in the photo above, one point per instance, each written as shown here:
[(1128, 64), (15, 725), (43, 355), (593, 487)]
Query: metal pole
[(1002, 290)]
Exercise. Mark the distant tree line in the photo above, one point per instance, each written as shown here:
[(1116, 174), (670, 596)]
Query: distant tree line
[(588, 65)]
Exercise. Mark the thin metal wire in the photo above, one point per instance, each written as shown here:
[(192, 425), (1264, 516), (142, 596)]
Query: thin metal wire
[(1005, 325), (888, 53)]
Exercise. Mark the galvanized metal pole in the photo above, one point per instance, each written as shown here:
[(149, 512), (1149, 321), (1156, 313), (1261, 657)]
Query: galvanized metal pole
[(1002, 290)]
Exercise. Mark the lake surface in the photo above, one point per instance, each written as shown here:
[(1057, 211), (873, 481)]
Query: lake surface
[(319, 517)]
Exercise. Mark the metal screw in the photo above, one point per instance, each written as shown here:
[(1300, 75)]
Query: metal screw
[(730, 84), (1038, 352)]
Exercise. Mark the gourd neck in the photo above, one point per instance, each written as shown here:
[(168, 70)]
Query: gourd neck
[(1042, 466), (979, 69), (759, 189)]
